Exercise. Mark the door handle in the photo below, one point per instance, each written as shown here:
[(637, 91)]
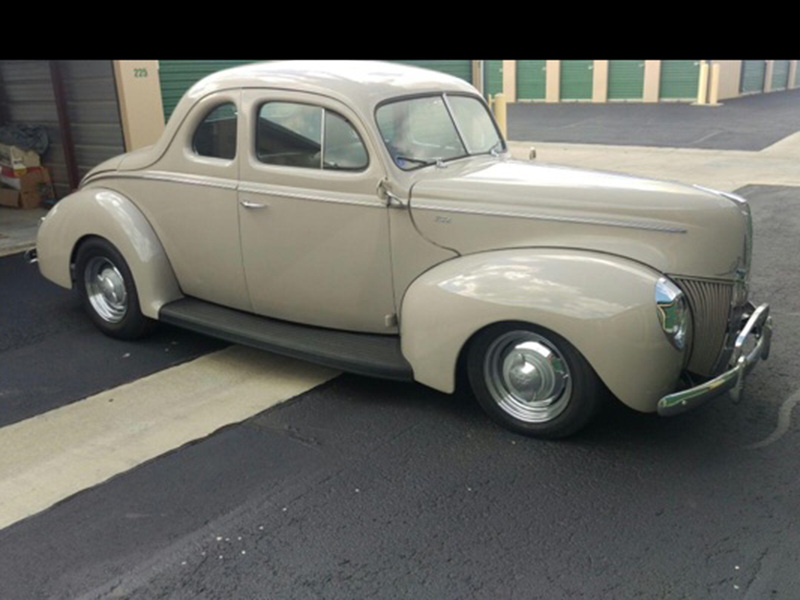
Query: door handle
[(249, 204)]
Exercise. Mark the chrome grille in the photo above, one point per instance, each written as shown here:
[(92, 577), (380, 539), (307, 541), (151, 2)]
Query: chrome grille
[(710, 303)]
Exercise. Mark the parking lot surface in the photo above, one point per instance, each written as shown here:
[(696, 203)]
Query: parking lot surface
[(365, 488), (747, 123)]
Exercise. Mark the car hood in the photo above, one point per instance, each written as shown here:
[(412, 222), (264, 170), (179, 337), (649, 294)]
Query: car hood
[(480, 205)]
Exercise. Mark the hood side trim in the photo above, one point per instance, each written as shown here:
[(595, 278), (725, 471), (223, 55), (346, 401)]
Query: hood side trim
[(540, 217)]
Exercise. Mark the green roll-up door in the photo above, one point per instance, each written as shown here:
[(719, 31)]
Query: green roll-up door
[(492, 77), (679, 79), (457, 68), (177, 76), (780, 74), (576, 79), (625, 79), (753, 72), (531, 79)]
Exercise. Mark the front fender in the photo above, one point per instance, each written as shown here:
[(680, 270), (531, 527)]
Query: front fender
[(602, 304), (110, 215)]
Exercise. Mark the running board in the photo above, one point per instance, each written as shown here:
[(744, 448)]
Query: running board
[(362, 353)]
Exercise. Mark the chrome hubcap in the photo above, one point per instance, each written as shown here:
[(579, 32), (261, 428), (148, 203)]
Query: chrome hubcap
[(527, 376), (105, 289)]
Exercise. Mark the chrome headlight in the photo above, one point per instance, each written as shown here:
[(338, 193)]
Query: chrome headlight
[(673, 312)]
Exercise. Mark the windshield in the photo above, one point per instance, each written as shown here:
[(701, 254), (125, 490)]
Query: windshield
[(423, 131)]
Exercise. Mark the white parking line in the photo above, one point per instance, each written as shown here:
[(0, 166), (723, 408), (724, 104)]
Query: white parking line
[(51, 456), (784, 422)]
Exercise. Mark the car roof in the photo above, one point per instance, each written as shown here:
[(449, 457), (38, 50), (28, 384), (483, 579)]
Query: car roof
[(363, 83)]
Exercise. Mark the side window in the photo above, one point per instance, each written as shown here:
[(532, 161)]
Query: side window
[(216, 135), (301, 135), (344, 149), (289, 134)]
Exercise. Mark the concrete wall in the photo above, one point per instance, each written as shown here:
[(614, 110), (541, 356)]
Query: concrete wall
[(139, 92), (730, 76), (600, 81), (652, 80), (553, 81), (510, 80)]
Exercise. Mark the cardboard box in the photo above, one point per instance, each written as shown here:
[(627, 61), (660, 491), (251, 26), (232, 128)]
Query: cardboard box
[(27, 191), (17, 159)]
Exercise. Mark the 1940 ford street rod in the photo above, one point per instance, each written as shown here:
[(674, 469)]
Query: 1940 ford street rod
[(369, 217)]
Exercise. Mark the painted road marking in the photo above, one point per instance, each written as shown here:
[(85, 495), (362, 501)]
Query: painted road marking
[(51, 456), (784, 422)]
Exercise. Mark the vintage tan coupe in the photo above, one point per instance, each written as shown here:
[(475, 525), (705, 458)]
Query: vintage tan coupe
[(368, 216)]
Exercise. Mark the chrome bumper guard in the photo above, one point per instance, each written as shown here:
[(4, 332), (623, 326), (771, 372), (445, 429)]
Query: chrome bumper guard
[(758, 328)]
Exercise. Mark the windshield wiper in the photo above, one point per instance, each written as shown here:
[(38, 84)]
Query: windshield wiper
[(420, 161)]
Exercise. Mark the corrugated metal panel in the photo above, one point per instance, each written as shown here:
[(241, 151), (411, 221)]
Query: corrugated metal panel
[(753, 72), (177, 76), (457, 68), (780, 74), (710, 303), (531, 79), (93, 111), (576, 79), (29, 96), (679, 79), (493, 77), (92, 108), (625, 79)]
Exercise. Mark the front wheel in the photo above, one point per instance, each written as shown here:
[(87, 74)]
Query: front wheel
[(108, 292), (532, 381)]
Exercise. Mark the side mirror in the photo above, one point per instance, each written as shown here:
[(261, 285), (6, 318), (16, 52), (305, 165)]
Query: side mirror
[(532, 153)]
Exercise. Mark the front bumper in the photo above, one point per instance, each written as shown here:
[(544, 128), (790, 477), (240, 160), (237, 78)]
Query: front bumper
[(758, 328)]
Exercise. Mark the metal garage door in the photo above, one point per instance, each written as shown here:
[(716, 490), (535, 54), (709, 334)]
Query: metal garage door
[(492, 77), (625, 79), (531, 79), (576, 79), (93, 112), (91, 108), (458, 68), (177, 76), (753, 72), (780, 74), (679, 79)]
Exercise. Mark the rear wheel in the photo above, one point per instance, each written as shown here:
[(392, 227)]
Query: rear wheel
[(108, 292), (532, 380)]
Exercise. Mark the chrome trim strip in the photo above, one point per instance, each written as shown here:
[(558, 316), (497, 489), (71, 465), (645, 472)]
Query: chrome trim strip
[(492, 213), (214, 182), (759, 326), (254, 188)]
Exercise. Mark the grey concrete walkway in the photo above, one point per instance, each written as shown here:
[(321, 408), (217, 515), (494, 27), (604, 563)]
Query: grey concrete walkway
[(747, 123), (722, 169)]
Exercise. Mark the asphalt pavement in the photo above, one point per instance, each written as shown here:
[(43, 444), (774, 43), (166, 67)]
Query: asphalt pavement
[(51, 354), (365, 488), (746, 123)]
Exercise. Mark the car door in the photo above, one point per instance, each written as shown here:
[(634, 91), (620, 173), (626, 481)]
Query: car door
[(315, 234)]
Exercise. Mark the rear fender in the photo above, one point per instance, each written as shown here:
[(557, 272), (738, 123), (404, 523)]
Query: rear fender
[(110, 215)]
